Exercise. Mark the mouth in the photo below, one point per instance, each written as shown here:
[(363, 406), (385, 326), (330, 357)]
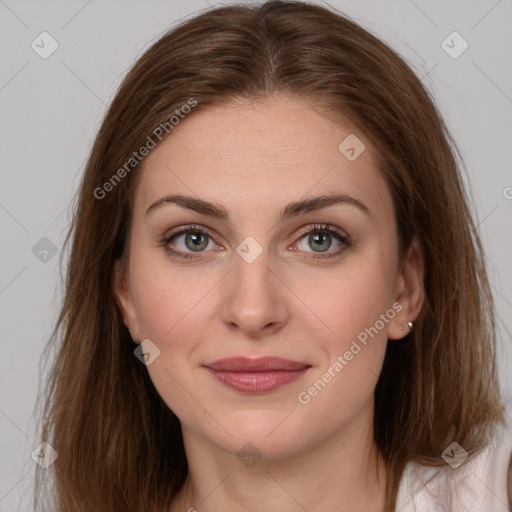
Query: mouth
[(256, 375)]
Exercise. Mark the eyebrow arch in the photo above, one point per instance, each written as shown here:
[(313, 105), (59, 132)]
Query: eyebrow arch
[(291, 210)]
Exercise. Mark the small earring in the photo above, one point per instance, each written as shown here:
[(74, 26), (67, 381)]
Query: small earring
[(411, 325), (401, 327)]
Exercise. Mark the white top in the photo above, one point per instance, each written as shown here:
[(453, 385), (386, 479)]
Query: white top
[(478, 484)]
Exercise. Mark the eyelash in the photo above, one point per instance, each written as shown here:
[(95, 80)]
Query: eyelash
[(314, 229)]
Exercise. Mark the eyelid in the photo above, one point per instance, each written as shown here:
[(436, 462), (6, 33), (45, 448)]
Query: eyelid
[(311, 228), (189, 227)]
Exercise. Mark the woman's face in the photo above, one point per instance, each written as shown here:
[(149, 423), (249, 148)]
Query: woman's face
[(260, 284)]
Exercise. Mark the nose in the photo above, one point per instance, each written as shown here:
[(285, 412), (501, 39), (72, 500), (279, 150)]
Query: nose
[(256, 298)]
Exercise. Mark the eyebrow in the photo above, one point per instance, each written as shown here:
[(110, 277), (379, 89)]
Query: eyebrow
[(291, 210)]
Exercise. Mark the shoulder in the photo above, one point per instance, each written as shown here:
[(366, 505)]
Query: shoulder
[(481, 483)]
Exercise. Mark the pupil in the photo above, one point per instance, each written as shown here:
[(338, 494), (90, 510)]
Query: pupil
[(319, 237), (198, 241)]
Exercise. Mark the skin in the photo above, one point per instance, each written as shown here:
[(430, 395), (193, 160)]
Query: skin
[(254, 158)]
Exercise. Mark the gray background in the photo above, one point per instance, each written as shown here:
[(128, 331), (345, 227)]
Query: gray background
[(51, 108)]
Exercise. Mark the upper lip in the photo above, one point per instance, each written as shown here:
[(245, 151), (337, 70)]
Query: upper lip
[(262, 364)]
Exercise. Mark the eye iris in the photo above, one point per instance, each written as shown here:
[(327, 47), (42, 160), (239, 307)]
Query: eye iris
[(199, 241), (322, 238)]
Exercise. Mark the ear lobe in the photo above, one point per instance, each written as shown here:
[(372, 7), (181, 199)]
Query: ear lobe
[(123, 298), (412, 293)]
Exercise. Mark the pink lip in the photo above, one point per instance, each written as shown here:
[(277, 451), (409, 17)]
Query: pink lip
[(256, 375)]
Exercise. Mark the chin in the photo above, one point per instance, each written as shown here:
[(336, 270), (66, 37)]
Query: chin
[(263, 432)]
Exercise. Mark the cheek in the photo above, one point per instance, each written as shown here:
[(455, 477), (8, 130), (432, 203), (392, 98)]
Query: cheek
[(171, 310), (169, 299), (353, 308), (355, 313), (349, 299)]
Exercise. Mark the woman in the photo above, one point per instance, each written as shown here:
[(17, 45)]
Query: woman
[(276, 296)]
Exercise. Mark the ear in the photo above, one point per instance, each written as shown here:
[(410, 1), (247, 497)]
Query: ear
[(124, 300), (410, 291)]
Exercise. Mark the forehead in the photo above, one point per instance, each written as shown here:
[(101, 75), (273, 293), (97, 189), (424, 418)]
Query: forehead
[(262, 153)]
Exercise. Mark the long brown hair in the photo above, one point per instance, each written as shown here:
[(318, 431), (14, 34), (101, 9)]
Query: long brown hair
[(119, 446)]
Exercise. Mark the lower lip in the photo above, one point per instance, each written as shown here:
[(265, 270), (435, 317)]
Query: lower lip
[(257, 382)]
